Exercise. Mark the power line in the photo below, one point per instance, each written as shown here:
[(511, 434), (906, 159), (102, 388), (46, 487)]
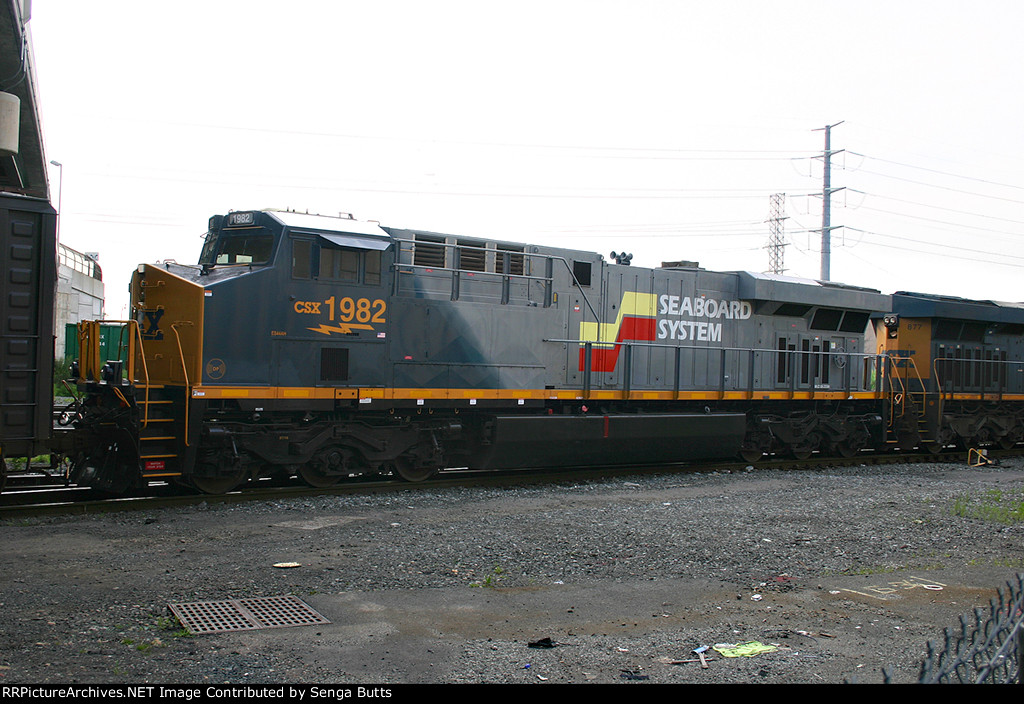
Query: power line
[(654, 152), (940, 222), (992, 258), (942, 173), (584, 192), (944, 188), (936, 207)]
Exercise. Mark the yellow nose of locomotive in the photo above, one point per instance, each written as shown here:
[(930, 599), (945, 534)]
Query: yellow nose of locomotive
[(169, 312)]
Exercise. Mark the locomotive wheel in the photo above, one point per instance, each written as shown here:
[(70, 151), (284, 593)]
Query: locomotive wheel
[(408, 471), (330, 465), (845, 449), (218, 485), (945, 437), (751, 454), (1008, 441), (805, 447), (801, 453), (316, 478), (212, 481)]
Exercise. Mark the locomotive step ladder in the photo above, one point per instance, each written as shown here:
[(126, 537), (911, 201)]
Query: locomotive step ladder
[(159, 411), (161, 431), (909, 403)]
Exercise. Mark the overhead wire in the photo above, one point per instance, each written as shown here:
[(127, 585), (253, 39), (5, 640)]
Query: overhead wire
[(935, 207), (730, 229), (944, 188), (940, 222), (937, 171), (993, 257), (973, 254), (599, 150), (580, 193)]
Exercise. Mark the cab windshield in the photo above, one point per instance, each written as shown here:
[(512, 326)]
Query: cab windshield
[(249, 248)]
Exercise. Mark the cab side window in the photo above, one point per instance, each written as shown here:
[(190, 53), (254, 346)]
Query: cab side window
[(339, 264), (315, 260), (302, 259), (372, 268)]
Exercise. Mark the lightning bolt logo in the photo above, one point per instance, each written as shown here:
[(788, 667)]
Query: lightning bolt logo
[(344, 328)]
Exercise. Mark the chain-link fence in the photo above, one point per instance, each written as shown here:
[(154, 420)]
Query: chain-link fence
[(988, 647)]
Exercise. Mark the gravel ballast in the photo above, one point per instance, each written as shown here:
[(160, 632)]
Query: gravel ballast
[(845, 571)]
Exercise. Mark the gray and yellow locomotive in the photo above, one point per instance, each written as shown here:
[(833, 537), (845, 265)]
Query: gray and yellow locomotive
[(329, 347)]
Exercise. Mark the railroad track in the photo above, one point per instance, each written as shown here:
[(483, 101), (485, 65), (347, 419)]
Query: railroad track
[(26, 501)]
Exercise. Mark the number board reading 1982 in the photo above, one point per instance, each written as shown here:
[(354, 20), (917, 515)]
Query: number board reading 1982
[(350, 313)]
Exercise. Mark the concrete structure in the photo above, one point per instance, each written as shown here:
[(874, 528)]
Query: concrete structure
[(24, 172), (79, 292)]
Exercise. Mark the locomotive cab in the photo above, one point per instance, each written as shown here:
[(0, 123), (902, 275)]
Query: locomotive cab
[(321, 283), (281, 309)]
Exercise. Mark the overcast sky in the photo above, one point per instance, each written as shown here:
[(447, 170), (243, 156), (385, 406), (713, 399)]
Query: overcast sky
[(658, 128)]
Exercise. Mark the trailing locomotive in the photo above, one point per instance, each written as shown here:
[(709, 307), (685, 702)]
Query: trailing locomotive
[(329, 347), (956, 370)]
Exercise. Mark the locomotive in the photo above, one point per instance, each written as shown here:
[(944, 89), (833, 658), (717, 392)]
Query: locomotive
[(957, 370), (327, 347)]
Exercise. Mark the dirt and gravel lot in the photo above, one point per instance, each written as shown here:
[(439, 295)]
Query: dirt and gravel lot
[(845, 571)]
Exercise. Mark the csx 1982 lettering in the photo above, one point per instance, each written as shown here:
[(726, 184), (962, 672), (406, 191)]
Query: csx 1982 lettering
[(346, 310), (307, 307)]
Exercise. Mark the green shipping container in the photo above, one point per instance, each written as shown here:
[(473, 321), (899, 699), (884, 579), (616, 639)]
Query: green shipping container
[(113, 342)]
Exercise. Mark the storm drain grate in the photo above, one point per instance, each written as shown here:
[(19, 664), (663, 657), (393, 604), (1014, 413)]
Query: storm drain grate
[(245, 614)]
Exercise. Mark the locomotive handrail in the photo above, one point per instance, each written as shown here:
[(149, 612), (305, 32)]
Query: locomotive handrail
[(145, 369), (89, 354), (937, 376), (184, 370), (644, 343), (628, 345), (1000, 377), (469, 271), (133, 326), (924, 391), (548, 279), (898, 400), (894, 397), (456, 270)]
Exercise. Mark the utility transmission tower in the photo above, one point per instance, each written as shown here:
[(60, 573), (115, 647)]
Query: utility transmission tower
[(777, 235), (826, 209)]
